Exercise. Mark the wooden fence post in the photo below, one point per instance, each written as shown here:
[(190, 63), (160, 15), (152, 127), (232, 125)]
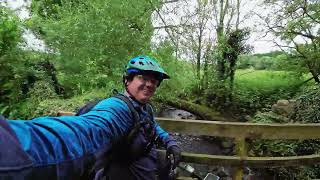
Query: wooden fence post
[(241, 151)]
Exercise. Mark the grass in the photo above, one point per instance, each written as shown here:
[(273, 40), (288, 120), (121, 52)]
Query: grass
[(259, 89), (266, 80)]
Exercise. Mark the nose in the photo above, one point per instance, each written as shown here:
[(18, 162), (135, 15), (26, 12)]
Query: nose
[(149, 81)]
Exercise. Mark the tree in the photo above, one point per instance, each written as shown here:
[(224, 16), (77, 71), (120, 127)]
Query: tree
[(10, 36), (198, 28), (230, 39), (93, 39), (230, 44), (10, 32), (297, 23)]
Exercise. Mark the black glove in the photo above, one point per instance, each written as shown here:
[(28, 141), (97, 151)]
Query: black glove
[(175, 151)]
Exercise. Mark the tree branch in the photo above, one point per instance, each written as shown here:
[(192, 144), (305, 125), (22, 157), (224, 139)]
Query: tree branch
[(172, 26), (305, 11), (298, 49), (163, 21), (172, 1)]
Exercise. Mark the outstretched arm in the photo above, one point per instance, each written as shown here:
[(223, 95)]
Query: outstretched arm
[(72, 141), (166, 139)]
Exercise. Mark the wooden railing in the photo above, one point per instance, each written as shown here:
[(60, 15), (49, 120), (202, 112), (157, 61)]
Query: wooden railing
[(241, 132)]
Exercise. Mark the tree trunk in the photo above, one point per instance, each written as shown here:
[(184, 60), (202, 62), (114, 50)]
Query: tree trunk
[(205, 69), (313, 72), (199, 53)]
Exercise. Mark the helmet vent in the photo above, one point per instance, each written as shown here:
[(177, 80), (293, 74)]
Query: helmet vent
[(141, 63), (132, 62)]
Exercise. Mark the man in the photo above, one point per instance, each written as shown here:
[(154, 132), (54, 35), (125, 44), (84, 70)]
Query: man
[(66, 147)]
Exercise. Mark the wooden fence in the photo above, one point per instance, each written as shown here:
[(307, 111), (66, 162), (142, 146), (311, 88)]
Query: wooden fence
[(240, 132)]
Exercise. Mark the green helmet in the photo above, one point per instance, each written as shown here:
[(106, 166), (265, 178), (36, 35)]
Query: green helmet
[(144, 64)]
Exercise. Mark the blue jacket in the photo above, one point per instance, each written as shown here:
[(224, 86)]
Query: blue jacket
[(66, 147)]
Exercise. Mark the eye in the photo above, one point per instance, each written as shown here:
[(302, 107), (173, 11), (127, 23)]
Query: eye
[(154, 81)]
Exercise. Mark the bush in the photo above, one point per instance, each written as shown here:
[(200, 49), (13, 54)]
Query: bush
[(306, 111), (181, 80), (42, 100), (10, 60)]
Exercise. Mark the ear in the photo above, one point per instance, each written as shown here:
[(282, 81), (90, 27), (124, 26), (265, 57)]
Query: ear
[(127, 81)]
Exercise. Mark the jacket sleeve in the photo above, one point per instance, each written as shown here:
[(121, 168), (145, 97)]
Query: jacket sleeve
[(165, 137), (62, 141)]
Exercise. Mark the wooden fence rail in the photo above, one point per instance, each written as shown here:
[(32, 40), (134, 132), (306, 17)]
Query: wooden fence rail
[(241, 132)]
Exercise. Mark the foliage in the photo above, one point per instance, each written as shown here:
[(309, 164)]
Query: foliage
[(92, 39), (306, 111), (269, 61), (41, 90), (38, 106), (10, 32), (89, 43), (269, 117), (47, 8), (10, 36), (228, 51), (225, 57), (19, 68), (181, 74), (215, 95), (257, 90), (207, 33), (272, 148), (294, 20), (257, 63)]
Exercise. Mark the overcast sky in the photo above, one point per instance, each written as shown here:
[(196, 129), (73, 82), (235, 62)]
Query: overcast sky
[(260, 42)]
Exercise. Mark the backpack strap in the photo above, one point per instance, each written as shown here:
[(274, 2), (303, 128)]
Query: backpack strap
[(86, 108), (151, 135), (137, 121), (149, 110), (130, 105), (108, 156)]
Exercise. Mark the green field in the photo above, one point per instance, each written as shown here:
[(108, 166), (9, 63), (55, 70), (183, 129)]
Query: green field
[(264, 79), (258, 89)]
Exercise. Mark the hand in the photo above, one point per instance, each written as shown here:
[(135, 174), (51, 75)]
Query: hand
[(175, 151)]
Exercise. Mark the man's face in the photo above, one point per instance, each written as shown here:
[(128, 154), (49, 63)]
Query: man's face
[(142, 87)]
